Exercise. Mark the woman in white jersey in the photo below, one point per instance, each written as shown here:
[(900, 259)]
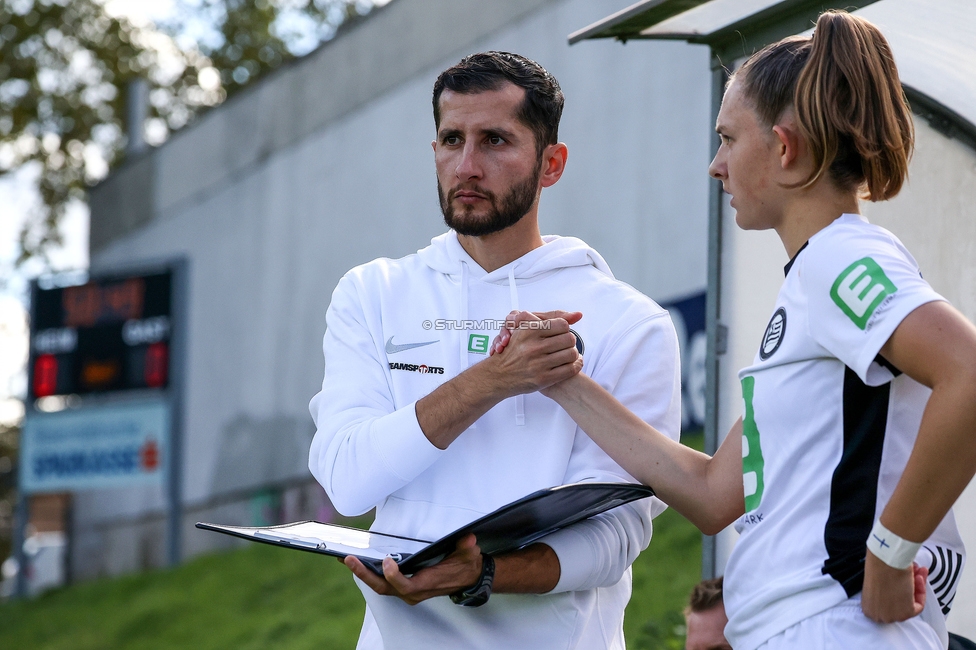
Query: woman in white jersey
[(860, 407)]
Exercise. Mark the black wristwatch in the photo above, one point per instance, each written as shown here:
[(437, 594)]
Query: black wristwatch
[(477, 594)]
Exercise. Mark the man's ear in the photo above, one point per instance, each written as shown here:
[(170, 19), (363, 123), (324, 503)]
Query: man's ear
[(789, 142), (553, 163)]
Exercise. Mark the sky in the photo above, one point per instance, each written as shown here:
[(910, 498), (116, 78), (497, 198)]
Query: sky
[(17, 196)]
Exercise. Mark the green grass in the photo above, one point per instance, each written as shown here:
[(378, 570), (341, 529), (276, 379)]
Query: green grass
[(663, 577), (257, 597), (266, 597)]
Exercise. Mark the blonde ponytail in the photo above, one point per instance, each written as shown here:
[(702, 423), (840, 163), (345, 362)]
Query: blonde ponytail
[(848, 102)]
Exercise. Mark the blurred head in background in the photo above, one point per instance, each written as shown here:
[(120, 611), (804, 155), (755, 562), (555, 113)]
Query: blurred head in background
[(705, 617)]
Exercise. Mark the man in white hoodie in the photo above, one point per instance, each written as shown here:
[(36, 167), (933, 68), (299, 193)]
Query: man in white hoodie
[(417, 420)]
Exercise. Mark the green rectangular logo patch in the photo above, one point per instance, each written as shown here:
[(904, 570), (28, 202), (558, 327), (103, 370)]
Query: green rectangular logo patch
[(478, 343), (860, 288)]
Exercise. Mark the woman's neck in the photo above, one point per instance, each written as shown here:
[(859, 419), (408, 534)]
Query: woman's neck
[(813, 210)]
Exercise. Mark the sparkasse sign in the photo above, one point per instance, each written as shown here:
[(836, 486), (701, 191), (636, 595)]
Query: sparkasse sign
[(115, 445)]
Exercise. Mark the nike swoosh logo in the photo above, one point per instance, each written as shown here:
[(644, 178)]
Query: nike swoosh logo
[(393, 348)]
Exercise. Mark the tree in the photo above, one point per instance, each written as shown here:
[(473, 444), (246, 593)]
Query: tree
[(65, 66), (9, 436)]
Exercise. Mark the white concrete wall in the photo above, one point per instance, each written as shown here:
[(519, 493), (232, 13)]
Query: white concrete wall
[(935, 217), (268, 243)]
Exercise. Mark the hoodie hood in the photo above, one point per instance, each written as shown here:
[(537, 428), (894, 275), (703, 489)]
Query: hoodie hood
[(446, 255)]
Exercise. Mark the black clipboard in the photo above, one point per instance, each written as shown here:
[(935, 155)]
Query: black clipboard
[(509, 528)]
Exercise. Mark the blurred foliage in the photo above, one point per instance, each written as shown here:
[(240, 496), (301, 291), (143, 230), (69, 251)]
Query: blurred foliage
[(667, 633), (65, 66), (8, 480)]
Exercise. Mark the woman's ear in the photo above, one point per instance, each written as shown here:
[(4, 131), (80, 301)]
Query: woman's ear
[(789, 142)]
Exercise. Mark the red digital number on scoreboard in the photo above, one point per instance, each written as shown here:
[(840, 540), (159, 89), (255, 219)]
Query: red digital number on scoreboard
[(45, 375)]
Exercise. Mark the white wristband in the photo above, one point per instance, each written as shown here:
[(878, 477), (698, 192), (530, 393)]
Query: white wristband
[(891, 549)]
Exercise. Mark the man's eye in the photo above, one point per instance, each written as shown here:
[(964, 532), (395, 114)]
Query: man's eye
[(725, 139), (452, 140), (496, 140)]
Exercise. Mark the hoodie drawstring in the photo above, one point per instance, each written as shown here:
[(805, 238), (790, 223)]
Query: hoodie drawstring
[(463, 344), (513, 295), (464, 316), (512, 290)]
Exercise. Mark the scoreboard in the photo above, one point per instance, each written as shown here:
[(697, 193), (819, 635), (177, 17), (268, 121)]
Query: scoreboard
[(111, 334), (117, 343)]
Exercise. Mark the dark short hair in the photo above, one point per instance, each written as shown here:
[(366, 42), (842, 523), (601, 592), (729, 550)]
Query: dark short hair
[(706, 595), (543, 104)]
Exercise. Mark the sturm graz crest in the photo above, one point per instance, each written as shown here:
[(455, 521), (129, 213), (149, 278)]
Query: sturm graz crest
[(775, 332), (579, 342)]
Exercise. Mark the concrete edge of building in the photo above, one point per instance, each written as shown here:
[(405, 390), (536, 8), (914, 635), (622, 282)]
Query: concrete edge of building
[(372, 56)]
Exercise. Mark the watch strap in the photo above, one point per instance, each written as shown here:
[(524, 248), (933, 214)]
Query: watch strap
[(477, 594)]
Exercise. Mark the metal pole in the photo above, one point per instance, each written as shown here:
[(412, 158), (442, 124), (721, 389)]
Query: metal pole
[(69, 534), (22, 510), (179, 291), (137, 110), (20, 524), (715, 332)]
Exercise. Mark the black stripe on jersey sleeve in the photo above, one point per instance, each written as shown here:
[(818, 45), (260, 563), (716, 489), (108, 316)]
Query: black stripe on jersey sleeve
[(884, 363), (948, 606), (854, 485), (952, 572), (938, 568), (944, 575), (950, 589)]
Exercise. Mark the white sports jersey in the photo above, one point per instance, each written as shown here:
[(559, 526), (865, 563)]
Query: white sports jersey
[(827, 430)]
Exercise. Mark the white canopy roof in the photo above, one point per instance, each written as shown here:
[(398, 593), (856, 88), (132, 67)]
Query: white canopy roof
[(934, 41), (935, 48)]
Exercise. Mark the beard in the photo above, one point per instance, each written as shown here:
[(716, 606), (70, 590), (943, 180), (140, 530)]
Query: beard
[(503, 213)]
